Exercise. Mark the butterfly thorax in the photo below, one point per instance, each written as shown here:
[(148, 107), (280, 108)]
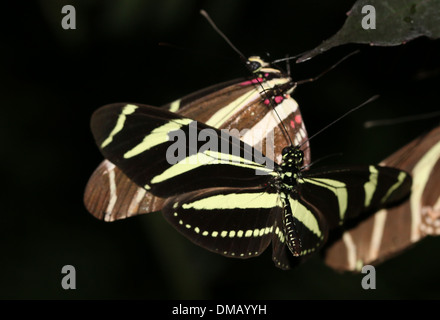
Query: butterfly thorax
[(290, 168)]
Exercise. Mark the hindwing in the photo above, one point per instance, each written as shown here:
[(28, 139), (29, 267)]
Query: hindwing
[(233, 222)]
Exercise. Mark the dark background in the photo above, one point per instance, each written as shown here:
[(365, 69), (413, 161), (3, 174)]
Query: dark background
[(51, 80)]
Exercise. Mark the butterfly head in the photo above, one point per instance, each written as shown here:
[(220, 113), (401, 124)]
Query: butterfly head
[(256, 65)]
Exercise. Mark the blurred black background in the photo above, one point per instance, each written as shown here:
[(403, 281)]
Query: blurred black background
[(51, 80)]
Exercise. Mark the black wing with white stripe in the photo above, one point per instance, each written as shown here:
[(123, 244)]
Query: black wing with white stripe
[(234, 222), (168, 154), (352, 191)]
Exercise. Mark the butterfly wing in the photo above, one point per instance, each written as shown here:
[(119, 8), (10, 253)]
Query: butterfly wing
[(325, 199), (341, 194), (390, 231), (233, 222), (237, 104), (136, 138)]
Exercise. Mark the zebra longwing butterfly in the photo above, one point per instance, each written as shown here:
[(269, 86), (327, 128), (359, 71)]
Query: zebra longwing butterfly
[(238, 104), (389, 231), (216, 199)]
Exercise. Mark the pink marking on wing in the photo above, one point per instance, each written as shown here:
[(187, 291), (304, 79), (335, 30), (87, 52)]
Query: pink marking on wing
[(245, 83), (292, 124), (298, 118), (253, 81), (278, 99), (266, 102)]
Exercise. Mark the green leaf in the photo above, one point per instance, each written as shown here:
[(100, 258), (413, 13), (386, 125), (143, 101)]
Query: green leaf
[(396, 22)]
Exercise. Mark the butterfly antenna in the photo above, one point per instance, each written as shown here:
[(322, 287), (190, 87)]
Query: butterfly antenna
[(285, 132), (319, 75), (329, 69), (342, 117), (242, 56), (321, 159), (287, 67), (208, 18), (288, 58), (316, 78), (387, 122)]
